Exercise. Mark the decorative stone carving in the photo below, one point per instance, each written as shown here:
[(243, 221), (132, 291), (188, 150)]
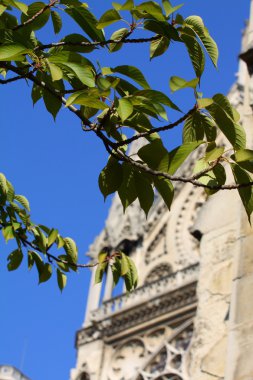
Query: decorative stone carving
[(168, 361), (127, 359), (152, 252)]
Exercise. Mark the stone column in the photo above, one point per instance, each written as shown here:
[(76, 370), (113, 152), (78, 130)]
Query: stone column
[(108, 285), (93, 297)]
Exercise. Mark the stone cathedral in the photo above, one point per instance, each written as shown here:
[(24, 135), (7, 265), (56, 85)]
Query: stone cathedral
[(191, 317)]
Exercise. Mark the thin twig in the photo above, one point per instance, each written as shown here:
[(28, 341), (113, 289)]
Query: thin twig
[(18, 77), (50, 257)]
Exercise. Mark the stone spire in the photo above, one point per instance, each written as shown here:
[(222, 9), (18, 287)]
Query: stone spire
[(250, 30), (247, 53)]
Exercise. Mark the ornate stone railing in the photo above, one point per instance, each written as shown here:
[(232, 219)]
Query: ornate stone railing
[(146, 292)]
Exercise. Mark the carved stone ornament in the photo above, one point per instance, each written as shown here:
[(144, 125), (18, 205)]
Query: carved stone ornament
[(137, 359)]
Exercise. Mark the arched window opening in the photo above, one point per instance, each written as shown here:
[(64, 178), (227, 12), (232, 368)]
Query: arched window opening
[(158, 272), (84, 376)]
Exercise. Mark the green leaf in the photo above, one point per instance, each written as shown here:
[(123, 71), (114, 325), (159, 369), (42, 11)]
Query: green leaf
[(21, 6), (163, 29), (124, 264), (41, 239), (14, 259), (23, 201), (129, 272), (159, 46), (46, 273), (144, 191), (102, 256), (169, 9), (150, 8), (116, 271), (166, 190), (139, 122), (155, 155), (179, 155), (2, 9), (87, 21), (53, 104), (124, 109), (60, 242), (75, 41), (177, 83), (213, 178), (8, 233), (133, 73), (39, 21), (56, 71), (30, 260), (117, 36), (108, 18), (3, 183), (110, 177), (86, 99), (71, 249), (37, 93), (9, 52), (38, 261), (157, 97), (233, 131), (127, 6), (196, 126), (204, 102), (246, 193), (196, 54), (193, 128), (10, 192), (213, 154), (99, 273), (84, 73), (244, 157), (52, 236), (197, 25), (127, 190), (61, 280), (57, 21), (102, 266), (63, 266), (224, 103), (104, 84)]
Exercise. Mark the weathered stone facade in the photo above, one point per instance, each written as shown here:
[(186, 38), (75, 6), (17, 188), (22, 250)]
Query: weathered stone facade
[(191, 318)]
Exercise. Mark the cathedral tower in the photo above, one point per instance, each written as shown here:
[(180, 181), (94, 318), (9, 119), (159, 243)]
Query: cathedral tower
[(191, 318)]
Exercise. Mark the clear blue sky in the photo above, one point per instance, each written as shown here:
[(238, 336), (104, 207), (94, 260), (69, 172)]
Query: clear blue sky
[(56, 166)]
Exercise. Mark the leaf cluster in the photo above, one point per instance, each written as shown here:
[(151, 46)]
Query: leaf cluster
[(119, 106)]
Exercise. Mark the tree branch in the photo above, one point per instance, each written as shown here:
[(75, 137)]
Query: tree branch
[(193, 180), (156, 130), (112, 147), (52, 91), (34, 17), (97, 43)]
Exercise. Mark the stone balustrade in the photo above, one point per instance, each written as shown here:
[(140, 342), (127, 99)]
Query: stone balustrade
[(146, 292)]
